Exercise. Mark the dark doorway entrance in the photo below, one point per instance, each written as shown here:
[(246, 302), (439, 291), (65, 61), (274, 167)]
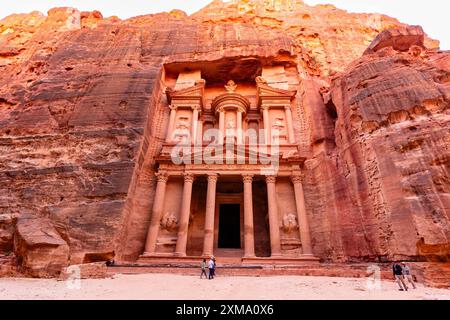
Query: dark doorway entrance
[(229, 226)]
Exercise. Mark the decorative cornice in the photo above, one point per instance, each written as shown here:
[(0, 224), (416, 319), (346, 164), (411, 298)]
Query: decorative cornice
[(247, 178), (232, 101)]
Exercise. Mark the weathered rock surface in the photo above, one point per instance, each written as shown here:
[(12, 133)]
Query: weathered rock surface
[(81, 123), (39, 248)]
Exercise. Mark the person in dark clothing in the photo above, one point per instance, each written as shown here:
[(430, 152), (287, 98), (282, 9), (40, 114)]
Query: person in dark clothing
[(211, 265), (203, 266), (398, 275), (110, 262)]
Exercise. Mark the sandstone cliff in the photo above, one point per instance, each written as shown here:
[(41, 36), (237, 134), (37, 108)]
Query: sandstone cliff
[(80, 124)]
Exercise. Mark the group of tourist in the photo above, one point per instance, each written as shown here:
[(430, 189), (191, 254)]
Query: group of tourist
[(402, 273), (211, 268)]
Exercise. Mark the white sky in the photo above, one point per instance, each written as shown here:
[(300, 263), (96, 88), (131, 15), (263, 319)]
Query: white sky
[(432, 15)]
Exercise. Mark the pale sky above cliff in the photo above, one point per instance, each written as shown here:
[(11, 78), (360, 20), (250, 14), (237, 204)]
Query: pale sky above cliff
[(432, 15)]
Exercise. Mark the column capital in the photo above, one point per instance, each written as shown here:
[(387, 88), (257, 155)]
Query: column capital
[(247, 178), (297, 178), (212, 177), (173, 107), (196, 107), (162, 176), (264, 107), (189, 177), (287, 107), (271, 179)]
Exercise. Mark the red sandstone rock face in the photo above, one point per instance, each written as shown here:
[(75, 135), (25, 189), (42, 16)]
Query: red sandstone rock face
[(39, 248), (392, 153), (81, 121)]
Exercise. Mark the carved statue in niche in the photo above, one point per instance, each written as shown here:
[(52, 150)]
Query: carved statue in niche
[(289, 222), (231, 86), (169, 222), (182, 124), (181, 129), (230, 124), (278, 123)]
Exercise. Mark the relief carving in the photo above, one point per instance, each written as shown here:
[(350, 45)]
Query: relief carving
[(289, 222), (169, 222)]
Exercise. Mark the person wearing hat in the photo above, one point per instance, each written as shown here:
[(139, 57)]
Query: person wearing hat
[(406, 270)]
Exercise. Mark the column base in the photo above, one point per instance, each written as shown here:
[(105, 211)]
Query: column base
[(179, 254)]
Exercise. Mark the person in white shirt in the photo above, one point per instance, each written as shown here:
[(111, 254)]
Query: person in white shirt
[(406, 270)]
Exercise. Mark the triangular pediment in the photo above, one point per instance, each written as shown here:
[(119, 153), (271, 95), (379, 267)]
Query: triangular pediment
[(266, 91), (195, 91)]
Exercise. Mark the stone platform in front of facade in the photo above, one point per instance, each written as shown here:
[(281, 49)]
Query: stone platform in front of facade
[(166, 259)]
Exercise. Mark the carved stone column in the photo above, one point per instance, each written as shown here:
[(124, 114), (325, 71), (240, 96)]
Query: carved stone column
[(239, 127), (301, 213), (208, 240), (199, 138), (274, 226), (158, 203), (180, 249), (249, 237), (290, 127), (221, 126), (195, 111), (266, 121), (173, 113)]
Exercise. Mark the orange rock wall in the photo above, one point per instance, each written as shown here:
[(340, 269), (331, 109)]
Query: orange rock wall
[(82, 117)]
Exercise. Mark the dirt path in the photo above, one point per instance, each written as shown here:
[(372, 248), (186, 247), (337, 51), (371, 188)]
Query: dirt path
[(165, 286)]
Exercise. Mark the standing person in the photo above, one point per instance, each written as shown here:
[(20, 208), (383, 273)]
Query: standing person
[(203, 266), (214, 266), (398, 274), (211, 268), (407, 274)]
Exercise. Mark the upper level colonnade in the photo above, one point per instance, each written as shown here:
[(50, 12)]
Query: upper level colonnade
[(257, 114)]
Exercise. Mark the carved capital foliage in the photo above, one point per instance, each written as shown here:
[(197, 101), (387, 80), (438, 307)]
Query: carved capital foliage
[(247, 178), (162, 176), (271, 179), (189, 177), (212, 177), (297, 178), (173, 107)]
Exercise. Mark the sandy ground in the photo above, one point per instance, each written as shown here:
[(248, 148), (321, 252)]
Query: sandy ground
[(179, 287)]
